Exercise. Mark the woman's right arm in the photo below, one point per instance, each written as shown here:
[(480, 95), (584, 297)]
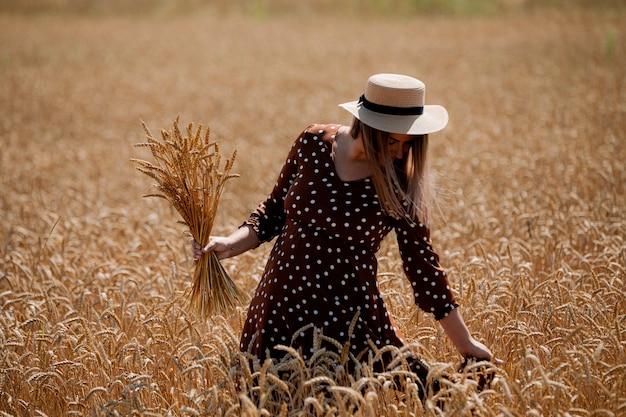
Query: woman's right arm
[(265, 222), (242, 240)]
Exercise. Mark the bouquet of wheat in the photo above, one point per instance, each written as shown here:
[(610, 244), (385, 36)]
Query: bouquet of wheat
[(188, 175)]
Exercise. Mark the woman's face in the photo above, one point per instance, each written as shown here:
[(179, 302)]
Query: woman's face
[(399, 144)]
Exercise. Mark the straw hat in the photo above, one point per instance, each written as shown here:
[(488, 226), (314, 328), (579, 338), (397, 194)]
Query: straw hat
[(395, 103)]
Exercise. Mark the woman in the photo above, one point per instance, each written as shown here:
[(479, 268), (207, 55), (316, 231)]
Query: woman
[(340, 192)]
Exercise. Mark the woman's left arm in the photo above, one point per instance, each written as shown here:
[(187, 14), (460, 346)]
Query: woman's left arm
[(454, 326), (431, 288)]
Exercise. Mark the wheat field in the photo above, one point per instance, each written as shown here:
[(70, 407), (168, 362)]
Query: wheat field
[(530, 174)]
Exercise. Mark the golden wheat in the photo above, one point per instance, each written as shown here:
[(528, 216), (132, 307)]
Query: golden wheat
[(189, 175), (532, 183)]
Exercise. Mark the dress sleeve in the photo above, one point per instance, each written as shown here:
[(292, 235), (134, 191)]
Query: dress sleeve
[(269, 217), (429, 282)]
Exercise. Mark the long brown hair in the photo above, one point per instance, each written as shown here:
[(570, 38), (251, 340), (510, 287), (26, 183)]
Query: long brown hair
[(403, 185)]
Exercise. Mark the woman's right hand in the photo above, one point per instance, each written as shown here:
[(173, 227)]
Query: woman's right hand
[(241, 240), (196, 250), (222, 247)]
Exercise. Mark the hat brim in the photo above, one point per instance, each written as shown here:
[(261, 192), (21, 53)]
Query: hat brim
[(433, 119)]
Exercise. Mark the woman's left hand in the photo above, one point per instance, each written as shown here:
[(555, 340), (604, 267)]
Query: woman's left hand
[(475, 349), (465, 344)]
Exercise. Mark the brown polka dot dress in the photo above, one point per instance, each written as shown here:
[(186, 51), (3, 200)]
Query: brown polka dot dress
[(321, 272)]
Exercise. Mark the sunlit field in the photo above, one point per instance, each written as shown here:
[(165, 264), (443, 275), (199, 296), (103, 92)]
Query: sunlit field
[(531, 223)]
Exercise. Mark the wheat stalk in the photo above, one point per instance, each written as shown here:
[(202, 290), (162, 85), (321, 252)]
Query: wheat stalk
[(189, 174)]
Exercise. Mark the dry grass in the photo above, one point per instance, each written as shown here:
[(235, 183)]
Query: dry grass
[(531, 173), (190, 176)]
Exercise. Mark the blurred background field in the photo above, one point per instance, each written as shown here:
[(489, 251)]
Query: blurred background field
[(530, 170), (286, 7)]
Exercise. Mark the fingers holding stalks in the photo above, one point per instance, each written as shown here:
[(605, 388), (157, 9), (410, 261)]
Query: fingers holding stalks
[(220, 245)]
